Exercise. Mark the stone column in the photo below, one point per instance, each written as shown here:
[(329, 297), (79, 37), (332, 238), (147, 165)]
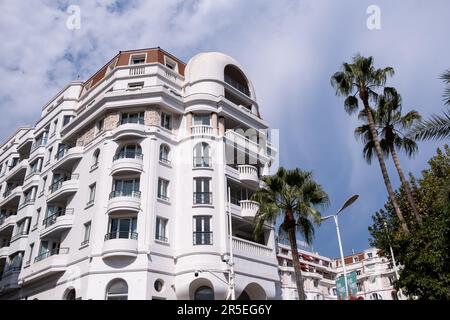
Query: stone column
[(214, 122), (189, 123), (221, 126)]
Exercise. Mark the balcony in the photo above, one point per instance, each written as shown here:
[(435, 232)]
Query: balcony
[(120, 244), (11, 197), (9, 279), (67, 157), (249, 209), (124, 201), (61, 189), (248, 174), (127, 163), (129, 130), (32, 179), (18, 242), (7, 223), (246, 145), (25, 209), (202, 198), (251, 249), (4, 252), (58, 222), (202, 130), (46, 264), (18, 171)]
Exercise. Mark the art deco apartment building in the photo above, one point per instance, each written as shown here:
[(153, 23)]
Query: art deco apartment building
[(375, 275), (119, 191)]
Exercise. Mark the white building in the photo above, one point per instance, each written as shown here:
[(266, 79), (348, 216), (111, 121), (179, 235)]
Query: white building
[(375, 276), (120, 189)]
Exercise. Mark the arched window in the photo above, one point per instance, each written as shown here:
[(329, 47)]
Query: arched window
[(164, 153), (204, 293), (70, 295), (117, 289), (129, 151), (235, 78), (95, 158), (376, 296), (202, 155), (394, 295)]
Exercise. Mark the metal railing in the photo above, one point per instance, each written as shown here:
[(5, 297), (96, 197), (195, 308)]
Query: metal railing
[(9, 190), (202, 197), (85, 243), (58, 183), (10, 271), (237, 85), (121, 235), (52, 252), (161, 238), (132, 121), (165, 160), (202, 162), (26, 202), (37, 144), (3, 218), (61, 153), (163, 197), (124, 193), (50, 220), (128, 155), (203, 238)]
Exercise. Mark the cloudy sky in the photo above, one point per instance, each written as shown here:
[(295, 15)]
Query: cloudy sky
[(290, 48)]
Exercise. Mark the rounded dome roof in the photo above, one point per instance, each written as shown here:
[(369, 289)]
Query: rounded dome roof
[(211, 65)]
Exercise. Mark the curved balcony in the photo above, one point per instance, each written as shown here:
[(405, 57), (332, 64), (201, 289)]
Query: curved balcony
[(248, 174), (45, 264), (66, 158), (12, 197), (120, 244), (7, 223), (18, 171), (124, 201), (18, 242), (202, 130), (26, 209), (129, 130), (32, 179), (58, 222), (252, 249), (4, 252), (9, 279), (127, 163), (61, 189), (249, 208)]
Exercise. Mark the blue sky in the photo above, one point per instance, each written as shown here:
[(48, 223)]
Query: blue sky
[(290, 48)]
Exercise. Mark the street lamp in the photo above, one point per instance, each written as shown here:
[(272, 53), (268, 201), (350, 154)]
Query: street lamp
[(335, 217), (394, 264)]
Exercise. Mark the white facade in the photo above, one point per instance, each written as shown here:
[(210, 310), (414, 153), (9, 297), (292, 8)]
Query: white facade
[(120, 189), (375, 276)]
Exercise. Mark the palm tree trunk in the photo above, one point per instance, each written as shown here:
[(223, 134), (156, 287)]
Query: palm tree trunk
[(405, 184), (387, 181), (296, 263)]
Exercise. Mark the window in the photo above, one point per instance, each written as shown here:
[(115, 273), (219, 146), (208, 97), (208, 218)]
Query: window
[(117, 289), (358, 272), (135, 85), (122, 228), (204, 293), (87, 233), (160, 232), (129, 151), (370, 255), (66, 120), (100, 125), (316, 283), (50, 150), (391, 280), (95, 158), (138, 59), (359, 286), (201, 120), (55, 124), (394, 295), (166, 120), (202, 230), (355, 259), (137, 117), (158, 285), (171, 64), (30, 253), (202, 194), (376, 296), (163, 189), (126, 188), (70, 295), (38, 215), (164, 153), (36, 166), (44, 182), (14, 162), (334, 292), (202, 156), (91, 194)]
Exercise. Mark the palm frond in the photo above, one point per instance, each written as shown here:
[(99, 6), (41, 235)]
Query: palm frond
[(435, 128)]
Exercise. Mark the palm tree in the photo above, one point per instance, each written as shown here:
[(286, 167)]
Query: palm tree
[(360, 78), (295, 196), (438, 126), (390, 124)]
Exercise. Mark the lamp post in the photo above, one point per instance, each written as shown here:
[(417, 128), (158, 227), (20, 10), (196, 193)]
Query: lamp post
[(336, 222), (394, 264)]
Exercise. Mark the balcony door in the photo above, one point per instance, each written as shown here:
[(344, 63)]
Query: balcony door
[(123, 228), (126, 187), (202, 120)]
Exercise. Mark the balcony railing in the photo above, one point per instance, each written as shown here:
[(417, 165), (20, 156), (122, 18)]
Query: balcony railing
[(124, 193), (202, 197), (128, 155), (202, 130), (18, 235), (161, 238), (132, 121), (237, 85), (50, 220), (39, 143), (33, 172), (9, 190), (61, 153), (203, 238), (49, 253), (26, 203), (163, 197), (121, 235), (202, 162), (3, 218), (165, 160), (58, 183), (10, 271), (251, 248)]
